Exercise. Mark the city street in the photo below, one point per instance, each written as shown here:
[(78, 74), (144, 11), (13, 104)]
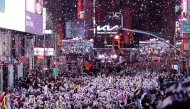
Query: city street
[(94, 54)]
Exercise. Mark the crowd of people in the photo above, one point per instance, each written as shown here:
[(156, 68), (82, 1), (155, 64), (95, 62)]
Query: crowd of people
[(140, 85)]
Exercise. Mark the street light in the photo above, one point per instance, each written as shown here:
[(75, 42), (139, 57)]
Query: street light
[(44, 46), (116, 42), (117, 45), (117, 15)]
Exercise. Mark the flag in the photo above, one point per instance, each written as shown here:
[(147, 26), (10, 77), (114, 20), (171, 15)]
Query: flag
[(137, 87), (88, 65), (110, 79), (56, 105), (124, 85), (73, 84), (4, 101), (34, 100), (47, 82), (60, 98)]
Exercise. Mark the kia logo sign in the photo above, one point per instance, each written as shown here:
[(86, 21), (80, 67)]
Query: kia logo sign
[(107, 29)]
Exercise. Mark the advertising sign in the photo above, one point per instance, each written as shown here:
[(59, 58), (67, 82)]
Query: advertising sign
[(186, 26), (22, 15), (33, 15), (68, 29), (2, 6), (40, 51), (78, 28), (75, 28), (55, 71), (108, 18), (107, 29), (12, 14), (105, 25), (79, 8)]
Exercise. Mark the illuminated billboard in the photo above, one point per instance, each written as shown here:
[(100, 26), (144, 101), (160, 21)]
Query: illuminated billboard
[(22, 15), (34, 18), (12, 14), (104, 25), (74, 28), (108, 18)]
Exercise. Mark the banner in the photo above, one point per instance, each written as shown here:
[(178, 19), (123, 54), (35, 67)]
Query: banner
[(59, 34)]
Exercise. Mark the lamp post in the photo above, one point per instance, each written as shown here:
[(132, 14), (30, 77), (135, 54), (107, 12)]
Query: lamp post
[(188, 38), (82, 56), (116, 15), (94, 18), (55, 46), (44, 45)]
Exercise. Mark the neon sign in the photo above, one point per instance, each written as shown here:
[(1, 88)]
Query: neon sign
[(107, 29)]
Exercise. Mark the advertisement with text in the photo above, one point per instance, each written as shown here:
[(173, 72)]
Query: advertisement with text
[(22, 15)]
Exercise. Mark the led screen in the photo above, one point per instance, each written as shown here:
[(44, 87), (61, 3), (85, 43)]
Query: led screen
[(22, 15)]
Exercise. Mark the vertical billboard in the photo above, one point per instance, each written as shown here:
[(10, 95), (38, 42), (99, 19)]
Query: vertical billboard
[(22, 15), (68, 30), (108, 18), (34, 18), (59, 32), (75, 28), (78, 28), (79, 8), (105, 26)]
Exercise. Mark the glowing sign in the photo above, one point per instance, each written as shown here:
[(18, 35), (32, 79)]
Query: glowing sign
[(107, 29)]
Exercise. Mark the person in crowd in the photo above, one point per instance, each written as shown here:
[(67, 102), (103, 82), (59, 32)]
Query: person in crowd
[(137, 86)]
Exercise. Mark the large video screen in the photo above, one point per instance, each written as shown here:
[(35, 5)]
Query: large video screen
[(34, 18), (22, 15), (12, 14), (75, 28)]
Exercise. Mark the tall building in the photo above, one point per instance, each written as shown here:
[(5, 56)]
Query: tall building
[(88, 17), (15, 30)]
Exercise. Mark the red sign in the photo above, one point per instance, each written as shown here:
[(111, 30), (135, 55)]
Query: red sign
[(79, 8), (88, 65), (59, 32)]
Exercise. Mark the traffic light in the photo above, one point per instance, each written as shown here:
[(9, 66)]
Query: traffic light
[(54, 64), (116, 42)]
